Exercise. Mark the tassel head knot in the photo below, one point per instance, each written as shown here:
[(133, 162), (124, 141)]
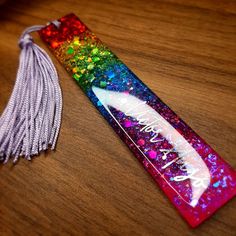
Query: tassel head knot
[(25, 40)]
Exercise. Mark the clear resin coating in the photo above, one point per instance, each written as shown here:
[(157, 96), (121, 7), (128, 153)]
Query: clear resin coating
[(193, 176)]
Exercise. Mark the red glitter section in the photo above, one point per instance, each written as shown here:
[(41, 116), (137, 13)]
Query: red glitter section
[(70, 26)]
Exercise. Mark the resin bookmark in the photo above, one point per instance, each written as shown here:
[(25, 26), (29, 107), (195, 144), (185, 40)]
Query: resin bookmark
[(193, 176)]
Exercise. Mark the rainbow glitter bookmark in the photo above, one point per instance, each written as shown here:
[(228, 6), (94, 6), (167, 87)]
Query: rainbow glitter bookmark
[(193, 176)]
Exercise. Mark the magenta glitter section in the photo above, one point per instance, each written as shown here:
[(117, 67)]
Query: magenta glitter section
[(193, 176)]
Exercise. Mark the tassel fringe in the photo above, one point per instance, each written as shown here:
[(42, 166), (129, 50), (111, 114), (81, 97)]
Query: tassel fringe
[(31, 120)]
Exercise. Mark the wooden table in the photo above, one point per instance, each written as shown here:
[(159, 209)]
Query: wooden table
[(93, 185)]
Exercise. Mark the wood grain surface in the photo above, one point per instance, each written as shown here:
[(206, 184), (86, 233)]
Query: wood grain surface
[(92, 184)]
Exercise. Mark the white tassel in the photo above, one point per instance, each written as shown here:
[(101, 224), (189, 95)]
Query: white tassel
[(31, 120)]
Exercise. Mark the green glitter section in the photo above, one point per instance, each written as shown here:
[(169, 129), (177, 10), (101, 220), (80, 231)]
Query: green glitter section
[(86, 58)]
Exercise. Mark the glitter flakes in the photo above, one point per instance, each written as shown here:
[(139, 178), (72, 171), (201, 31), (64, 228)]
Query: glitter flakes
[(141, 142), (152, 154), (90, 66), (70, 50), (103, 84), (216, 184), (95, 51)]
